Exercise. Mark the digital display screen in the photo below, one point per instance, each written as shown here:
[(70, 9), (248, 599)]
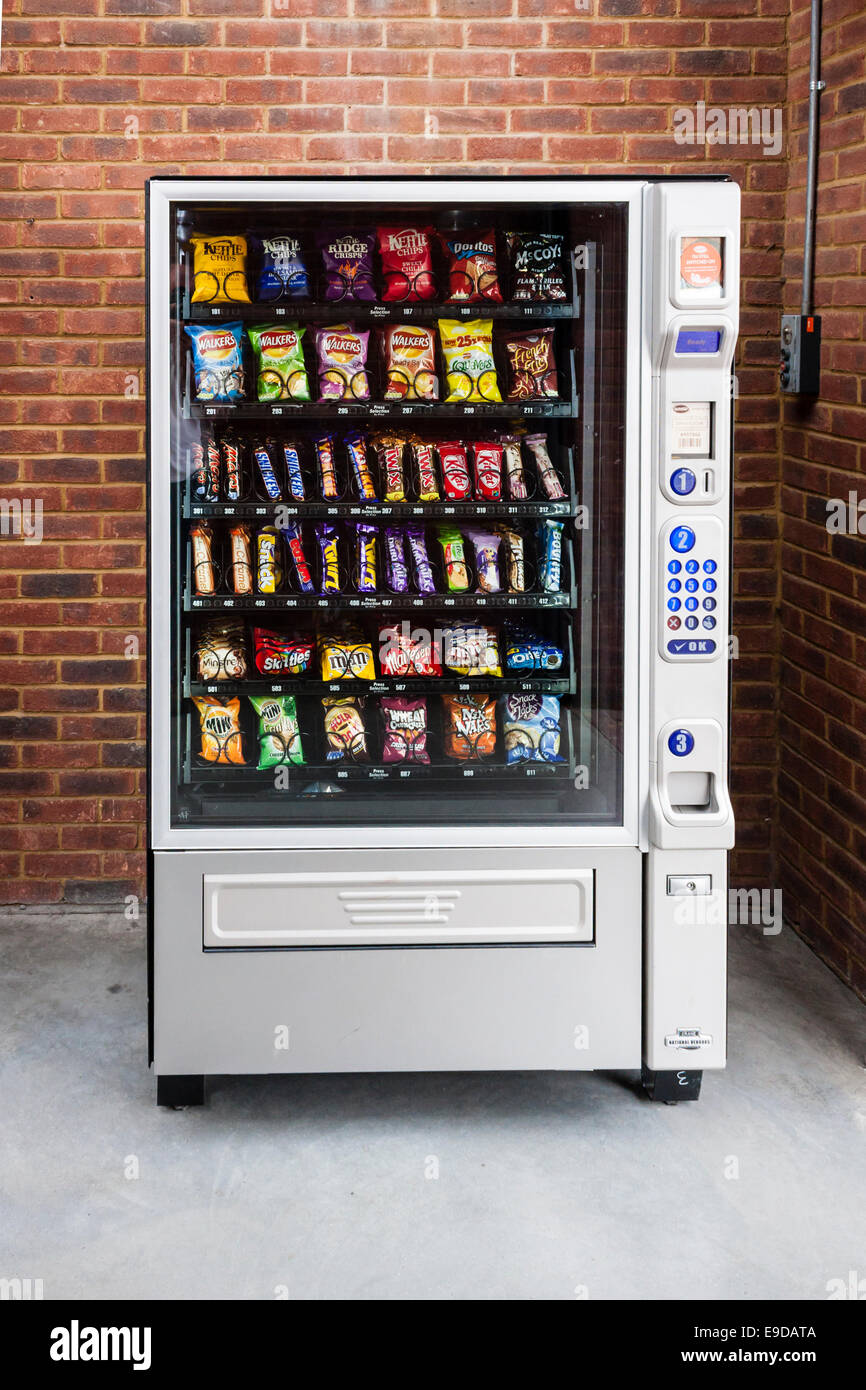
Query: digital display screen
[(699, 340)]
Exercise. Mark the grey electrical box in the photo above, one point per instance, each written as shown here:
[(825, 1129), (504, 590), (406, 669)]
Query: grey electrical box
[(800, 373)]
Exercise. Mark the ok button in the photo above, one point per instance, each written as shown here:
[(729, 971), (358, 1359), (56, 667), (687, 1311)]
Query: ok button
[(683, 481)]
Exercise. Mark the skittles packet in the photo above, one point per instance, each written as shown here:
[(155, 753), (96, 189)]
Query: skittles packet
[(279, 654)]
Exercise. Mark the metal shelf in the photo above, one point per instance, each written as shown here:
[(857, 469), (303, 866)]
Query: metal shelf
[(374, 603), (390, 685), (419, 411), (379, 511), (305, 311), (366, 773)]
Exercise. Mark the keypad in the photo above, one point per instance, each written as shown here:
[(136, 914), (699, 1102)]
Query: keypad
[(691, 590)]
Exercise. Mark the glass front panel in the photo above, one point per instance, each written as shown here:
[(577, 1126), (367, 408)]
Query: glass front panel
[(398, 504)]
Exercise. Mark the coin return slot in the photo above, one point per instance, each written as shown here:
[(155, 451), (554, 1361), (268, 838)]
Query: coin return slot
[(691, 791)]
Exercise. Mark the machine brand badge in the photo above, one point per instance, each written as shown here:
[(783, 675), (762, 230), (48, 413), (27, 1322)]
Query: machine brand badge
[(689, 1039)]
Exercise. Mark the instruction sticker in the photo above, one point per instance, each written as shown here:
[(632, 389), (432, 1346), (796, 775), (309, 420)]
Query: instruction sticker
[(690, 429), (701, 263)]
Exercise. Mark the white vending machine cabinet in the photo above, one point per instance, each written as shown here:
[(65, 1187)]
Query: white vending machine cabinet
[(439, 612)]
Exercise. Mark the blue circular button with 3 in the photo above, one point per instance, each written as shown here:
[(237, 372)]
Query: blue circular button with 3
[(681, 742), (683, 481), (682, 538)]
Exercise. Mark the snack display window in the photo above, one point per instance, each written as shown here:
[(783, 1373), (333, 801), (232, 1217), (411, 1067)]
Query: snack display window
[(397, 543)]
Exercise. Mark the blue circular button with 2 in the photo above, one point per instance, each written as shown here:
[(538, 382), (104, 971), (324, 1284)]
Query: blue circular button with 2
[(681, 742), (682, 538)]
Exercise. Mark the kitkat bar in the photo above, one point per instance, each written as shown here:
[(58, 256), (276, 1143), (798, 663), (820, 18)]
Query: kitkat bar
[(488, 471), (455, 470)]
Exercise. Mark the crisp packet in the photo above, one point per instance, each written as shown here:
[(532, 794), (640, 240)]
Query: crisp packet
[(471, 649), (409, 351), (550, 555), (281, 654), (221, 740), (220, 650), (536, 266), (470, 726), (346, 654), (345, 734), (467, 346), (472, 276), (279, 731), (404, 652), (531, 365), (347, 259), (456, 573), (326, 535), (280, 371), (525, 650), (342, 354), (547, 474), (486, 545), (219, 269), (531, 729), (407, 263), (217, 360), (281, 272), (404, 737)]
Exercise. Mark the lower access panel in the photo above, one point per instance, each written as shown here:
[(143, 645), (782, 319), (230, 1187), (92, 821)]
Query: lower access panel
[(422, 960)]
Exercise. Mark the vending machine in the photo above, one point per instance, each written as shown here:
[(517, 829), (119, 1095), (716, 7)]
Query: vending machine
[(439, 576)]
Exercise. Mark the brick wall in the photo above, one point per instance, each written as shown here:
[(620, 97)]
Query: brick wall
[(822, 718), (97, 94)]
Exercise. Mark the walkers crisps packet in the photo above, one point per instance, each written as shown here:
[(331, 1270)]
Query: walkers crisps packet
[(280, 371), (467, 346), (217, 360)]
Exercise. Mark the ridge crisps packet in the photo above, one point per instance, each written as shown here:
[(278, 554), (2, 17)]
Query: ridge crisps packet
[(467, 346), (219, 269)]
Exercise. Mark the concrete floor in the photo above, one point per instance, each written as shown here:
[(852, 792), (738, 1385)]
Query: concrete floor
[(316, 1187)]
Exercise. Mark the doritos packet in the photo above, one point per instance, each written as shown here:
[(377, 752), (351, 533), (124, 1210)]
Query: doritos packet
[(472, 275)]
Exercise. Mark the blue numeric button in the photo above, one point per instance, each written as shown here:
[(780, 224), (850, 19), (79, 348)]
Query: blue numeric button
[(710, 586), (709, 604), (691, 586), (673, 604), (709, 566), (682, 539), (691, 566), (691, 623), (681, 742), (683, 481), (674, 586), (674, 566), (691, 604)]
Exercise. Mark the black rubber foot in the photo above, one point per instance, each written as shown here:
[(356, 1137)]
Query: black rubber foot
[(671, 1086), (179, 1091)]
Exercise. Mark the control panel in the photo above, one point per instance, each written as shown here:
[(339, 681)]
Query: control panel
[(689, 603)]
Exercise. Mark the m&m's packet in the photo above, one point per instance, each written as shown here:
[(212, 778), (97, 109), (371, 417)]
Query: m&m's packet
[(346, 654)]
